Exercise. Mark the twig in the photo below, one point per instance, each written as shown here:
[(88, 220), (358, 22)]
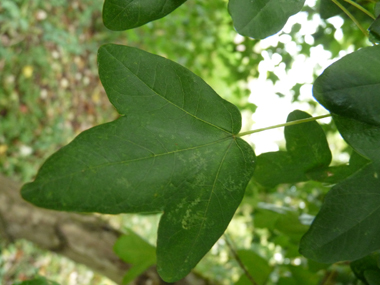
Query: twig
[(237, 258)]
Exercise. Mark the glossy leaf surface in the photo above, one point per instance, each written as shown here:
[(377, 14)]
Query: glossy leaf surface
[(119, 15), (173, 149), (307, 149), (262, 18), (350, 87), (134, 250)]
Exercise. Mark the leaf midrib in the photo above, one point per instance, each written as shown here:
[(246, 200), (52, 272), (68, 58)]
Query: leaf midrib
[(138, 159)]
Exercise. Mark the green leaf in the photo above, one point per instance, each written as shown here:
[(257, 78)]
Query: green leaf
[(360, 266), (335, 174), (346, 228), (303, 276), (173, 149), (119, 15), (307, 150), (328, 8), (40, 280), (350, 86), (306, 142), (257, 267), (374, 31), (372, 277), (363, 137), (134, 250), (274, 168), (262, 18)]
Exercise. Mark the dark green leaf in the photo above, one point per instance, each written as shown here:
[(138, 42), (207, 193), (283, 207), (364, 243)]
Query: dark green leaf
[(257, 267), (328, 9), (346, 228), (262, 18), (372, 277), (173, 149), (360, 266), (119, 15), (374, 31), (350, 87), (307, 150), (134, 250), (306, 142), (363, 137), (274, 168), (335, 174)]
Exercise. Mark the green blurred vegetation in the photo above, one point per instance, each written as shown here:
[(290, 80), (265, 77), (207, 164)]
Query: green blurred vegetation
[(50, 92)]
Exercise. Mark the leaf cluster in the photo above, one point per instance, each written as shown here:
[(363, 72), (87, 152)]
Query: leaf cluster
[(176, 149)]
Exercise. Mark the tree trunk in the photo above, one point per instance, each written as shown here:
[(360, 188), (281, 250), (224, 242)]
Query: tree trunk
[(85, 239)]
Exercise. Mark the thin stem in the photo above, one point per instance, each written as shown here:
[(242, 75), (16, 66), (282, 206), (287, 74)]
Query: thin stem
[(351, 17), (236, 256), (284, 125), (361, 8)]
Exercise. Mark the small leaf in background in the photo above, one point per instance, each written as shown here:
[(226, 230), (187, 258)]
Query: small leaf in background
[(119, 15), (173, 149), (260, 19), (365, 264), (346, 227), (40, 280), (350, 86), (256, 265), (307, 149), (303, 276), (134, 250), (284, 220)]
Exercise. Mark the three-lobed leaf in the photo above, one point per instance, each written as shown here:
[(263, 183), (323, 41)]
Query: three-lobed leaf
[(307, 150), (173, 149), (262, 18), (119, 15)]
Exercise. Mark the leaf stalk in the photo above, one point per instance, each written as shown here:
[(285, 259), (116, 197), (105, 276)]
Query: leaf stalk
[(351, 16), (284, 125), (361, 8), (237, 258)]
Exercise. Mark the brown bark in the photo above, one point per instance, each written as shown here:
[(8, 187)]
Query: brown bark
[(85, 239)]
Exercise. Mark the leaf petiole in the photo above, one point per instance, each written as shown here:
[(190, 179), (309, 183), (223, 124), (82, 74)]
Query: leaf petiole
[(284, 125), (351, 17), (361, 8)]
